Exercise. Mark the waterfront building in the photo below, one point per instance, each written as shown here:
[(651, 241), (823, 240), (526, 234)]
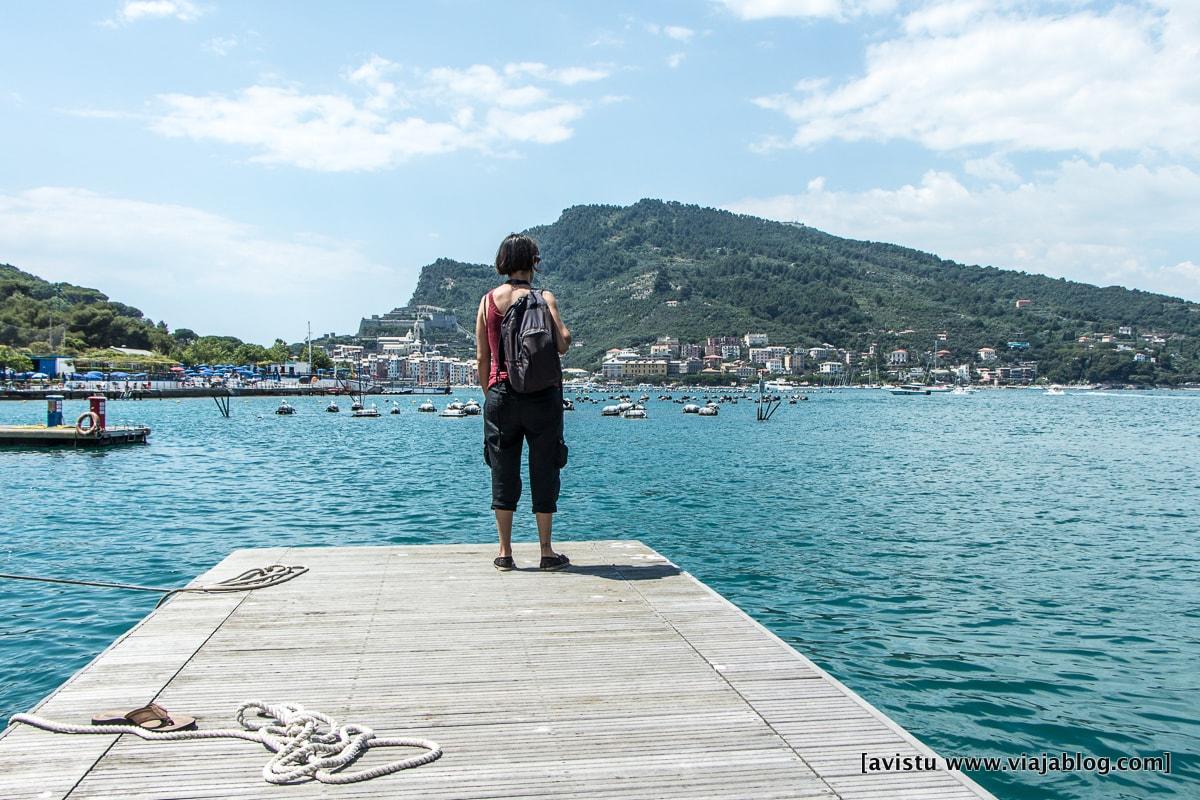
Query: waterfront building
[(986, 354), (761, 355), (755, 340), (1125, 330), (775, 366), (730, 352), (646, 368), (1023, 373), (832, 368), (898, 357), (464, 373), (691, 351)]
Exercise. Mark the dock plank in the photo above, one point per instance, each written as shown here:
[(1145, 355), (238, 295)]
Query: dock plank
[(620, 678)]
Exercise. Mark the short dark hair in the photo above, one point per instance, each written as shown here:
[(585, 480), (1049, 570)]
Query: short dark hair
[(517, 253)]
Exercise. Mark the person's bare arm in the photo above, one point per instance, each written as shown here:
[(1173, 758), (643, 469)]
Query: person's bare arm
[(564, 334), (483, 351)]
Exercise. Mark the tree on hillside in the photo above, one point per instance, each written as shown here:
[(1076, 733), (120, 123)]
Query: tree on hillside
[(279, 352), (14, 360)]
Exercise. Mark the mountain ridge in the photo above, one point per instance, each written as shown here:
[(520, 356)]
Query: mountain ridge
[(615, 268)]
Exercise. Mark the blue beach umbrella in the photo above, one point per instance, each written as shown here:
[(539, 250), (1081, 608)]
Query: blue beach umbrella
[(94, 376), (120, 375), (38, 376)]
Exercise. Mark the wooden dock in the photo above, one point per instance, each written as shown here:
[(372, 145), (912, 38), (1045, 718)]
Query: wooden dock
[(622, 677), (67, 436)]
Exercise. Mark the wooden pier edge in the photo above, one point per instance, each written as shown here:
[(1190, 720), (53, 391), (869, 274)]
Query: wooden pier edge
[(763, 746), (917, 744)]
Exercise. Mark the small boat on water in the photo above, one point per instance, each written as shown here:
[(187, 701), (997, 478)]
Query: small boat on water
[(451, 411), (939, 388), (356, 406), (962, 390), (471, 408), (332, 408), (909, 388), (637, 412), (285, 408), (568, 405), (369, 411), (610, 411), (1055, 391), (691, 408), (395, 409), (709, 411), (427, 407)]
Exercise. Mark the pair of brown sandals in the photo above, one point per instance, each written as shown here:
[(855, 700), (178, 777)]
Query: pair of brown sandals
[(152, 717)]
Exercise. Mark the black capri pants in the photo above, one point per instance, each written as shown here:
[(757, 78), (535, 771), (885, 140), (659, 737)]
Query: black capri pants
[(509, 418)]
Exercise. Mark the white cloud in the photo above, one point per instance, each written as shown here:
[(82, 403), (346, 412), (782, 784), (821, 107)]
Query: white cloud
[(137, 10), (1093, 222), (679, 33), (993, 168), (675, 59), (396, 115), (193, 268), (221, 45), (826, 9), (964, 74)]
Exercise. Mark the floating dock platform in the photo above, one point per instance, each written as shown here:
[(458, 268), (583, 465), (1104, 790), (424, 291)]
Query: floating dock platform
[(622, 677), (66, 435)]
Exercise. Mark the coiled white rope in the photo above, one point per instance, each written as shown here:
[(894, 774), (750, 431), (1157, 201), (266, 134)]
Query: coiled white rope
[(306, 744)]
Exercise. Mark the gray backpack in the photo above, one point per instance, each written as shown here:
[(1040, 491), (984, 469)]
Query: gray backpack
[(529, 345)]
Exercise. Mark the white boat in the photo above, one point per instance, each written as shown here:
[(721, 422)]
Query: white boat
[(285, 408), (427, 407), (939, 388), (963, 390), (332, 408), (610, 411), (395, 408), (369, 411), (637, 412), (708, 411), (909, 388), (691, 408), (452, 412), (471, 408), (1055, 391)]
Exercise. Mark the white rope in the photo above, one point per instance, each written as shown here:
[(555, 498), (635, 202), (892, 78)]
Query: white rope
[(306, 744)]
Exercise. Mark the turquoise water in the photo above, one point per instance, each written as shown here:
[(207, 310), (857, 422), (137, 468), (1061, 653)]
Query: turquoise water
[(1004, 573)]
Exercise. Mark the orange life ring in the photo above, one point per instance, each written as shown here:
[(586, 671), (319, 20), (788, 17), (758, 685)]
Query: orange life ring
[(90, 430)]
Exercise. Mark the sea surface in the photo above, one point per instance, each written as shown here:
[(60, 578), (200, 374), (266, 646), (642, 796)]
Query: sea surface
[(1003, 573)]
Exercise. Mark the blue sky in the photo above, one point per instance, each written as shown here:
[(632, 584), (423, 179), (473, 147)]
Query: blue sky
[(243, 168)]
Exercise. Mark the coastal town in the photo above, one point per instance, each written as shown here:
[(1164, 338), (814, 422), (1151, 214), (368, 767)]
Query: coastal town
[(426, 346)]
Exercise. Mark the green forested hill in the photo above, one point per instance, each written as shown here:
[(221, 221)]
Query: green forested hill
[(33, 312), (614, 269), (38, 316)]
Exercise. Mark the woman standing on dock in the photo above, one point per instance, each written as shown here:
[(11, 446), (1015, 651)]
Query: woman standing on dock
[(509, 416)]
